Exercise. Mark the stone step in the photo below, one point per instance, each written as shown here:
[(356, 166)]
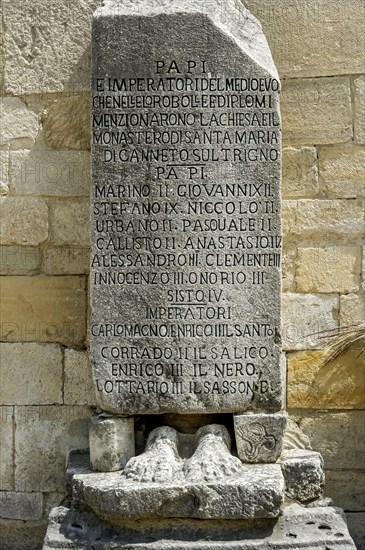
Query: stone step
[(298, 528), (256, 492)]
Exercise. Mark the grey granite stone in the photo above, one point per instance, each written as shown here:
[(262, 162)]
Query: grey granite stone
[(185, 269), (298, 528), (111, 442), (303, 474), (259, 437)]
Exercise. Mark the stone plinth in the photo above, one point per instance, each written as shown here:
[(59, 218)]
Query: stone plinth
[(298, 528)]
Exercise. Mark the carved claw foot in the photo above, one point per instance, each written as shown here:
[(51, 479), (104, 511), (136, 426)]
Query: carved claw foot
[(160, 462), (212, 459)]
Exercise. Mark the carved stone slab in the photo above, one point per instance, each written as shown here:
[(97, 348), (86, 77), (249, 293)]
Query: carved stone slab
[(259, 437), (185, 269)]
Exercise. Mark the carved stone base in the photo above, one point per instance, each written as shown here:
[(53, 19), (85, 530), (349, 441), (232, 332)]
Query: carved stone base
[(297, 529), (159, 483)]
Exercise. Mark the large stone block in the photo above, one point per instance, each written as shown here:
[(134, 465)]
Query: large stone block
[(352, 309), (69, 260), (256, 493), (308, 528), (47, 53), (341, 171), (359, 109), (144, 289), (32, 374), (19, 125), (24, 221), (315, 218), (22, 535), (43, 309), (314, 384), (328, 269), (7, 448), (43, 439), (78, 387), (300, 173), (337, 436), (316, 111), (67, 122), (304, 315), (310, 38), (19, 260), (303, 474), (4, 173), (346, 488), (24, 506), (50, 173), (70, 222)]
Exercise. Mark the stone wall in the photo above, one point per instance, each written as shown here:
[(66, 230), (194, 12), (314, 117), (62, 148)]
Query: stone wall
[(46, 391)]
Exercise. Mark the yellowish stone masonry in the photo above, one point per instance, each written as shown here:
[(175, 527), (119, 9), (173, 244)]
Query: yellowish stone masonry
[(46, 391)]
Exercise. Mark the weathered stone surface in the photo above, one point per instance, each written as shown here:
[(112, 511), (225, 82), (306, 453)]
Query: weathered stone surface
[(294, 437), (39, 367), (19, 260), (346, 488), (7, 448), (316, 111), (144, 288), (304, 315), (1, 50), (47, 54), (341, 171), (24, 221), (288, 269), (337, 436), (69, 260), (22, 535), (258, 492), (300, 173), (305, 218), (328, 269), (51, 173), (299, 524), (352, 309), (67, 121), (25, 506), (259, 437), (70, 222), (319, 36), (303, 474), (359, 108), (356, 527), (19, 125), (43, 439), (78, 386), (111, 442), (43, 309), (4, 173), (314, 384)]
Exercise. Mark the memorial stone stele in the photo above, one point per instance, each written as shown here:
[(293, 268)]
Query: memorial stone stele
[(185, 295), (185, 269)]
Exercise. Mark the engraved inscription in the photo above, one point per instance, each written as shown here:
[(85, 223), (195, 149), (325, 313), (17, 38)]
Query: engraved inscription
[(186, 233)]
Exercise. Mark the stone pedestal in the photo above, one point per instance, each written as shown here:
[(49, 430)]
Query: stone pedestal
[(185, 288)]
